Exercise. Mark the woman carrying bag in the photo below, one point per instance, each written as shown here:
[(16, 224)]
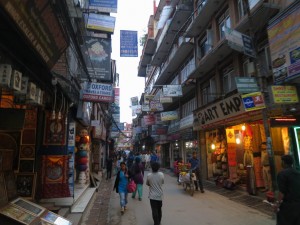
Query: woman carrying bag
[(138, 177), (121, 182)]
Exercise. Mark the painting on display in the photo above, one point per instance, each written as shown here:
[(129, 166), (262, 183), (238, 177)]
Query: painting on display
[(25, 183), (55, 131), (10, 185), (27, 151)]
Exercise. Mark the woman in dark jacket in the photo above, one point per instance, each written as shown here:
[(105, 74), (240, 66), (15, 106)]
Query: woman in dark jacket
[(138, 177)]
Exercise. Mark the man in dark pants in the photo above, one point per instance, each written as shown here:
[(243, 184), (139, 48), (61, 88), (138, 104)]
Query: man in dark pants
[(195, 167), (155, 181), (109, 165), (288, 203)]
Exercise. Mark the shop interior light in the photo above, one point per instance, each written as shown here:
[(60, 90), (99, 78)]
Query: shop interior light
[(213, 146), (243, 127), (238, 140)]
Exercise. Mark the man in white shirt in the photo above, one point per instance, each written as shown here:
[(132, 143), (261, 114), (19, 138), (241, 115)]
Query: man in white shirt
[(155, 181)]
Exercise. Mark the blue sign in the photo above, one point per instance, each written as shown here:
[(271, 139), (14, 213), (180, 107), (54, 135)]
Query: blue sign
[(128, 43), (248, 102), (104, 5)]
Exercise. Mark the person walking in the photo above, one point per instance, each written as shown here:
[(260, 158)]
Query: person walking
[(195, 167), (138, 177), (155, 181), (109, 165), (288, 204), (120, 185)]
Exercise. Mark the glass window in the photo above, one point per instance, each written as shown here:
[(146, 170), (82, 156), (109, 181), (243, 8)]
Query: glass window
[(224, 22), (228, 80)]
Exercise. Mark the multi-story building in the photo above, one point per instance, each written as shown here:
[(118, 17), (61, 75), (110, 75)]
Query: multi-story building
[(226, 57)]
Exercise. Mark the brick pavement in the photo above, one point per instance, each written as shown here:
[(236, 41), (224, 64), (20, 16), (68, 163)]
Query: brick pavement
[(97, 211)]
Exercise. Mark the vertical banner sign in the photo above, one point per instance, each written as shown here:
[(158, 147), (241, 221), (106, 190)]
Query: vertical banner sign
[(71, 154), (96, 53), (128, 43)]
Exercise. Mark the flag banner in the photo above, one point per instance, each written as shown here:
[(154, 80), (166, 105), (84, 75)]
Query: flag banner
[(172, 90), (109, 6), (97, 53), (128, 43)]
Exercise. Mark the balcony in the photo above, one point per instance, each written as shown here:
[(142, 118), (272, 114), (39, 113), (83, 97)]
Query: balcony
[(261, 13), (171, 30), (175, 61), (211, 59), (148, 50), (205, 13)]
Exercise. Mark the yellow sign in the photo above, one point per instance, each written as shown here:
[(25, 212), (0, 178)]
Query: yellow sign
[(284, 94)]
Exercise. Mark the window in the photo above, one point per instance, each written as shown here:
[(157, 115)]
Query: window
[(224, 22), (209, 91), (204, 44), (228, 80), (188, 107), (241, 8)]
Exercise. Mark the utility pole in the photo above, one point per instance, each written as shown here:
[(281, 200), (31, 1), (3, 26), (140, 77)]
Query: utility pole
[(261, 82)]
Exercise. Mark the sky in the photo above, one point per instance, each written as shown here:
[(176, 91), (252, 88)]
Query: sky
[(132, 15)]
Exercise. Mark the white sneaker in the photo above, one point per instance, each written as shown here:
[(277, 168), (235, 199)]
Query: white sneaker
[(125, 207), (122, 210)]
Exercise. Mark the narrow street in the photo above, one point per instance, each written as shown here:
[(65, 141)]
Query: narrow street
[(179, 208)]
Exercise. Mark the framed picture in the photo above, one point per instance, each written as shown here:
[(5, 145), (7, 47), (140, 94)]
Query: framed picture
[(30, 118), (25, 183), (3, 193), (17, 214), (27, 151), (28, 206), (26, 165), (55, 131)]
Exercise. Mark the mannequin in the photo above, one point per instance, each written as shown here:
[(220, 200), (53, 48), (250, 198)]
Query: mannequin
[(266, 167)]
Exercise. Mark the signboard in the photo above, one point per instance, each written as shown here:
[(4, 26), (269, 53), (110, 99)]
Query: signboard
[(234, 39), (248, 46), (110, 6), (97, 92), (101, 22), (155, 105), (172, 90), (253, 101), (149, 120), (97, 53), (134, 101), (246, 84), (284, 94), (228, 107), (170, 115), (47, 37), (187, 121), (284, 41), (128, 43)]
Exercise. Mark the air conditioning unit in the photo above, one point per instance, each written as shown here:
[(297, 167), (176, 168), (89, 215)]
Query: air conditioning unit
[(5, 74), (16, 80), (31, 92)]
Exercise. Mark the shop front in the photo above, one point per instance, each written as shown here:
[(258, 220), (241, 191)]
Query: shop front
[(235, 145)]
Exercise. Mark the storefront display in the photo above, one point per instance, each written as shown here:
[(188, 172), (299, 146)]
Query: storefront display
[(22, 211)]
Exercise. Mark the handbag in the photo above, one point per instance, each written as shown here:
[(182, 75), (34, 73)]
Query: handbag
[(131, 186)]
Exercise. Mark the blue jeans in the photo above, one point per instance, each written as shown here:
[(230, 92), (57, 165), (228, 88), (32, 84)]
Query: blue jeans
[(123, 199)]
